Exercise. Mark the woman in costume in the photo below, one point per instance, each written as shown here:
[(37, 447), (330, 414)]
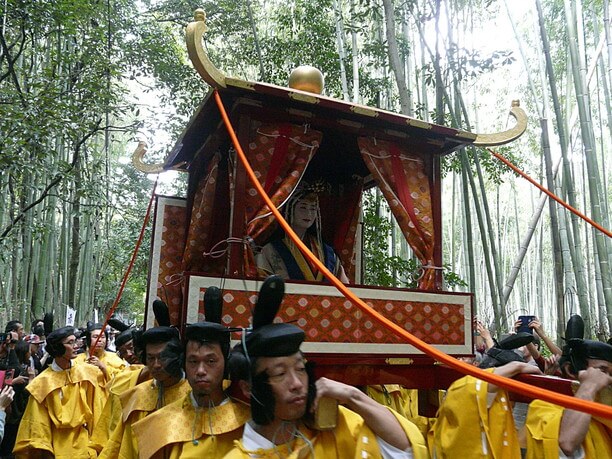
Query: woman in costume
[(281, 256)]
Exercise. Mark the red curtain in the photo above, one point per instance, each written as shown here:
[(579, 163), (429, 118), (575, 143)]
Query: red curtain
[(402, 178), (279, 154)]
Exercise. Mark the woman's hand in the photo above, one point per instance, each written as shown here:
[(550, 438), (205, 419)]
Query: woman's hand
[(6, 397)]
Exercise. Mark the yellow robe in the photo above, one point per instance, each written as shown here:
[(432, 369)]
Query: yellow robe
[(61, 413), (543, 423), (114, 363), (404, 401), (136, 404), (126, 379), (351, 438), (466, 428), (178, 431), (111, 414)]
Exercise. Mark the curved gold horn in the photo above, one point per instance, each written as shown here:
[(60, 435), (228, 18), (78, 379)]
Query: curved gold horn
[(199, 58), (137, 157), (500, 138)]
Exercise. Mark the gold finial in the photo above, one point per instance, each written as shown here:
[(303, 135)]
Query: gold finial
[(197, 52), (199, 15), (307, 78), (501, 138), (137, 160)]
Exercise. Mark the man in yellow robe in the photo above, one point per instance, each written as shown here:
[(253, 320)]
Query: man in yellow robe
[(63, 406), (205, 422), (134, 374), (282, 392), (128, 407), (108, 362), (555, 432), (475, 419)]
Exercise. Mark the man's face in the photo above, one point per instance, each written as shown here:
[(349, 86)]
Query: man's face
[(155, 363), (289, 382), (70, 347), (101, 343), (602, 365), (126, 352), (204, 365)]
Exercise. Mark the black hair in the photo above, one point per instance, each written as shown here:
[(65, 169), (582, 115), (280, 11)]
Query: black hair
[(12, 325), (263, 403), (172, 357), (21, 350), (37, 323), (54, 345), (38, 330)]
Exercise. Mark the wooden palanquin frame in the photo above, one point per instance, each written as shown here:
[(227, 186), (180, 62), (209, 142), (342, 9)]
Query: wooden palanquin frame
[(337, 158)]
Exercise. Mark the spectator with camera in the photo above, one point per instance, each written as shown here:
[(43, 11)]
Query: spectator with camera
[(531, 324), (8, 357)]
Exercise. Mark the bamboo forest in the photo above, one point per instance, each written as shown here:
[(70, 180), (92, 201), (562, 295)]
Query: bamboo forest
[(82, 82)]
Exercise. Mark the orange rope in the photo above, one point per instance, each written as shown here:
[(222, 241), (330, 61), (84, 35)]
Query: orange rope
[(507, 383), (549, 193), (130, 265)]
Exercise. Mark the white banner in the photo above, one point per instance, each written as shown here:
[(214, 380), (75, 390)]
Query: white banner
[(70, 314)]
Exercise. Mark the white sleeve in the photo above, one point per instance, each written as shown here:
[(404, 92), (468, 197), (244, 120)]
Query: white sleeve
[(578, 454), (388, 451)]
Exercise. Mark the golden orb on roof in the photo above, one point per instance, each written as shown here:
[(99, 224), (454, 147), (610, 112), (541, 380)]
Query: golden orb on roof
[(307, 78)]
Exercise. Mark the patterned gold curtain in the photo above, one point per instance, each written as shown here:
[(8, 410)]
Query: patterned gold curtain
[(402, 178)]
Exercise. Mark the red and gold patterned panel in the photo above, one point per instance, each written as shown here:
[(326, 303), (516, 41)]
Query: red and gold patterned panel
[(438, 319), (167, 255)]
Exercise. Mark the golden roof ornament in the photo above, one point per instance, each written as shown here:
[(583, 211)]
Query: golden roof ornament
[(307, 78), (199, 58), (501, 138), (137, 160)]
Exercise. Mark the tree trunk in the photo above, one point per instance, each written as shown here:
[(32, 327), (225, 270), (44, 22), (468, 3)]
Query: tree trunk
[(340, 45), (587, 135), (554, 232), (394, 57)]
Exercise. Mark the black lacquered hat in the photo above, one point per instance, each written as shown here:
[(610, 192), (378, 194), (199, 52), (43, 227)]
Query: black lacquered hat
[(274, 340)]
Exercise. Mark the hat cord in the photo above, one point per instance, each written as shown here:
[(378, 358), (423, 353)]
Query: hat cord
[(295, 434)]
